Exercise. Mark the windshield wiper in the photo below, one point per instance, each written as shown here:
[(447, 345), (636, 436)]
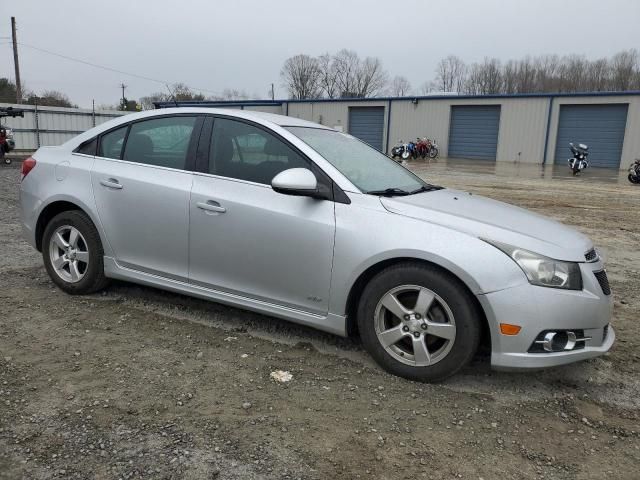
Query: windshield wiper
[(425, 188), (399, 192), (389, 192)]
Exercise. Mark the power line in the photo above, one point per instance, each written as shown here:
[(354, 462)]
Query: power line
[(115, 70)]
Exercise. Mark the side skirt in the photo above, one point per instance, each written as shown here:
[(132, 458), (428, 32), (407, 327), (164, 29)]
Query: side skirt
[(335, 324)]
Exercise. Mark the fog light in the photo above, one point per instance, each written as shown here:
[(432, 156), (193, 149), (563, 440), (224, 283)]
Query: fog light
[(559, 341)]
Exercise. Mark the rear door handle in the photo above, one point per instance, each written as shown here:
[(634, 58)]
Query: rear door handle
[(211, 206), (111, 183)]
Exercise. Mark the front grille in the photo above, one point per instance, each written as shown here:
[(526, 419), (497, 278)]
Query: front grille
[(601, 276), (605, 332), (591, 255)]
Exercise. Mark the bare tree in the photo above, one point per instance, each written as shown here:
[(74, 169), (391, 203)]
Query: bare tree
[(358, 78), (328, 76), (400, 87), (598, 75), (484, 78), (624, 67), (301, 77), (371, 77), (147, 102), (546, 72), (428, 87), (450, 74), (51, 98), (234, 94), (525, 76), (347, 64), (182, 92)]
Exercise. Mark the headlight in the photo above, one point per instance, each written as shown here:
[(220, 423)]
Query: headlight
[(543, 271)]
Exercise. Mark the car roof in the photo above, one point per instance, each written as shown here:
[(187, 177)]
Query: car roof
[(281, 120), (264, 118)]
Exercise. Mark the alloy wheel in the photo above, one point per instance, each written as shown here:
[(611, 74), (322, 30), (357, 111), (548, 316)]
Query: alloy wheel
[(415, 325), (69, 254)]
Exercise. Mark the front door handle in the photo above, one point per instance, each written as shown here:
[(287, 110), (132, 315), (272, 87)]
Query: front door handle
[(211, 206), (111, 183)]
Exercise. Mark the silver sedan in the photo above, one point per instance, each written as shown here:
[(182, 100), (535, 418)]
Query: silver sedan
[(295, 220)]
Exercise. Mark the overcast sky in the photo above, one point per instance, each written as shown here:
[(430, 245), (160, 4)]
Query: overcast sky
[(242, 44)]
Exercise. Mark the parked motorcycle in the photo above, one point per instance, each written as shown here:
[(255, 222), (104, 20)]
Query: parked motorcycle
[(398, 150), (423, 145), (411, 151), (6, 134), (426, 148), (634, 172), (433, 148), (6, 144), (579, 160)]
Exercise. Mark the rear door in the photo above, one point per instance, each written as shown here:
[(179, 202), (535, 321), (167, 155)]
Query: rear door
[(249, 240), (141, 180)]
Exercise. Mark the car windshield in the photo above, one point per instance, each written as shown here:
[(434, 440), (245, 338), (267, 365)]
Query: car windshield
[(367, 168)]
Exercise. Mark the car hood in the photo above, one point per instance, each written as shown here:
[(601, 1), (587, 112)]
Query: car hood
[(493, 220)]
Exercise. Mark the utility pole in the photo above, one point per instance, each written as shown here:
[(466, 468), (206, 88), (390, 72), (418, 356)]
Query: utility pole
[(124, 100), (15, 60), (273, 93)]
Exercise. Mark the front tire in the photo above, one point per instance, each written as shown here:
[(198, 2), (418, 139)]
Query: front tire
[(433, 152), (73, 254), (418, 322)]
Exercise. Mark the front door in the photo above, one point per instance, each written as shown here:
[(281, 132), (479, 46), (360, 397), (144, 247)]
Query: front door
[(249, 240), (141, 187)]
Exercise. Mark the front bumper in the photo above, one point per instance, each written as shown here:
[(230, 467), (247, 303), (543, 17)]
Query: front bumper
[(537, 309)]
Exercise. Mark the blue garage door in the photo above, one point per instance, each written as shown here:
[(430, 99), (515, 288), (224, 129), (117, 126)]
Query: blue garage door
[(367, 123), (601, 127), (473, 132)]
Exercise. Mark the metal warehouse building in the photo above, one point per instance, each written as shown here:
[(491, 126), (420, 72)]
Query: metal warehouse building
[(534, 128)]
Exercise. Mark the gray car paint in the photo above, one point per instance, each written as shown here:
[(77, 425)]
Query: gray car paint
[(315, 249)]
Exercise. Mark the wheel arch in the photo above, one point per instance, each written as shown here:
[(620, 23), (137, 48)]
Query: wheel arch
[(365, 276), (56, 207)]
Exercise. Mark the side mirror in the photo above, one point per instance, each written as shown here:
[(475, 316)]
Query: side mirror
[(296, 181)]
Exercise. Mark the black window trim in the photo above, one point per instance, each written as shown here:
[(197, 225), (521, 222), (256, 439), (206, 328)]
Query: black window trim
[(334, 192), (190, 161)]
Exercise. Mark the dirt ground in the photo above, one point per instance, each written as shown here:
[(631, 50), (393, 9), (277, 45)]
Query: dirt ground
[(140, 383)]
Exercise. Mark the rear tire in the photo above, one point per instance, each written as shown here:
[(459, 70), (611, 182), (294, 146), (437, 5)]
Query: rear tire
[(634, 179), (73, 253), (426, 346)]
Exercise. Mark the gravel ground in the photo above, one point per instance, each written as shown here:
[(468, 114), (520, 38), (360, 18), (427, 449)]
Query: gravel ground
[(140, 383)]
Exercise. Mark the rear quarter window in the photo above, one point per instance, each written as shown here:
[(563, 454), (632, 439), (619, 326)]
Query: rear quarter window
[(88, 147)]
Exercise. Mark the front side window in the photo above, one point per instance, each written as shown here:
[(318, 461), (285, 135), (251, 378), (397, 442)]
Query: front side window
[(242, 151), (364, 166), (162, 142), (111, 143)]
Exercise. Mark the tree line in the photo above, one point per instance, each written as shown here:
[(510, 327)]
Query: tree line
[(346, 75), (46, 98)]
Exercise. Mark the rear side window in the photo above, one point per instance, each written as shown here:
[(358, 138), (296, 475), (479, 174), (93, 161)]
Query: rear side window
[(111, 143), (88, 147), (162, 142)]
